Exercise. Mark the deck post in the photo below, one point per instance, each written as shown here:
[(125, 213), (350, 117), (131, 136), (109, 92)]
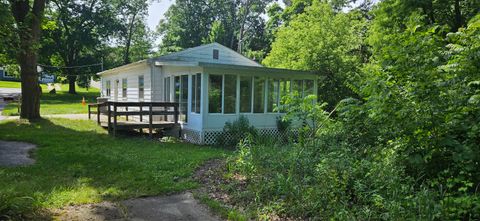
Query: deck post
[(98, 113), (141, 115), (150, 119), (175, 108), (109, 117), (89, 112), (126, 109), (114, 119)]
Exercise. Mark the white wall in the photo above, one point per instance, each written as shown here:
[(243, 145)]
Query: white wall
[(132, 75), (204, 53)]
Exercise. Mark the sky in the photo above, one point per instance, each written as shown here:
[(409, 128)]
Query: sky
[(156, 11)]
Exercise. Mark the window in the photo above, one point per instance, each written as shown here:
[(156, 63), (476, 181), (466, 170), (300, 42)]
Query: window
[(184, 99), (181, 95), (108, 88), (124, 88), (176, 85), (215, 93), (141, 87), (167, 89), (284, 88), (230, 94), (215, 54), (245, 94), (308, 88), (297, 87), (272, 96), (196, 90), (259, 95)]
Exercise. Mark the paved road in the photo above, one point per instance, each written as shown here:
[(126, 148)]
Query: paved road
[(10, 92), (175, 207), (7, 92)]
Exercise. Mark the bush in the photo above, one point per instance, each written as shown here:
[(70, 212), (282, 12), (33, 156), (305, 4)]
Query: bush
[(235, 131), (325, 176)]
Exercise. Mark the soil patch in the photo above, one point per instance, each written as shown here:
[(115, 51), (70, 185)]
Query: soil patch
[(14, 153)]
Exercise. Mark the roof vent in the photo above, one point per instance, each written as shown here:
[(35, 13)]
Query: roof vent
[(215, 54)]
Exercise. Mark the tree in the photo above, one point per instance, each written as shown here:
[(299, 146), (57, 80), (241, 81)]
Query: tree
[(186, 24), (133, 13), (82, 27), (28, 20), (237, 24), (323, 41)]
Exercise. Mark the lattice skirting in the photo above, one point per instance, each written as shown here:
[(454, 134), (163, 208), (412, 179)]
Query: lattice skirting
[(210, 136), (192, 136)]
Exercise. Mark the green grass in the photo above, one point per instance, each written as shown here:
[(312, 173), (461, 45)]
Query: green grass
[(60, 103), (77, 163), (10, 84)]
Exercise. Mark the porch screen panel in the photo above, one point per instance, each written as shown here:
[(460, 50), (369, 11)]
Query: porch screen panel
[(184, 99), (258, 95), (176, 84), (230, 94), (198, 92), (272, 95), (297, 87), (245, 94), (285, 86), (308, 88), (196, 88), (215, 94), (194, 94)]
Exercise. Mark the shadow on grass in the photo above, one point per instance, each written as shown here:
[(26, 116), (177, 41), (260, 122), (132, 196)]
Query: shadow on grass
[(78, 163)]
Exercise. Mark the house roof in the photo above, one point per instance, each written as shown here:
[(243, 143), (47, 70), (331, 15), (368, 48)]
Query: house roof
[(202, 56)]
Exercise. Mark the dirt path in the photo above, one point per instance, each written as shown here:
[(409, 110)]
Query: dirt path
[(175, 207)]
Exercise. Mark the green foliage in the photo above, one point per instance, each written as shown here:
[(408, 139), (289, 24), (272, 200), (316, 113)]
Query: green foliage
[(323, 41), (234, 132), (235, 24), (406, 149)]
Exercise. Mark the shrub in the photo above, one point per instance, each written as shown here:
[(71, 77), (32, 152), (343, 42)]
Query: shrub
[(235, 131)]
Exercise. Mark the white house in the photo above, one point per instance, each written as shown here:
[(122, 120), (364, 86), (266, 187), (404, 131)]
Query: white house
[(213, 85)]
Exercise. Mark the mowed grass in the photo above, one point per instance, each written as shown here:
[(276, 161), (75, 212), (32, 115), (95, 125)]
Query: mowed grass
[(78, 163), (60, 103), (10, 84)]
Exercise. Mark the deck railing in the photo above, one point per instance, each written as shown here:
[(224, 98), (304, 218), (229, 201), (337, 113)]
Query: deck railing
[(113, 109)]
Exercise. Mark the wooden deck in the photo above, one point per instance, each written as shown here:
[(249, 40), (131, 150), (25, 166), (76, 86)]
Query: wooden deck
[(117, 115), (140, 125)]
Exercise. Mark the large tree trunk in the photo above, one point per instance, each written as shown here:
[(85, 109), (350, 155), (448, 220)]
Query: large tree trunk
[(31, 91), (28, 24), (71, 83)]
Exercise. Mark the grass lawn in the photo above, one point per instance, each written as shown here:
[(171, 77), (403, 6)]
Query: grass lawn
[(77, 163), (10, 84), (60, 103)]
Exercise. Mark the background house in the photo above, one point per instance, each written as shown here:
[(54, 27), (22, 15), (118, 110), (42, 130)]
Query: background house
[(5, 76), (213, 85)]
